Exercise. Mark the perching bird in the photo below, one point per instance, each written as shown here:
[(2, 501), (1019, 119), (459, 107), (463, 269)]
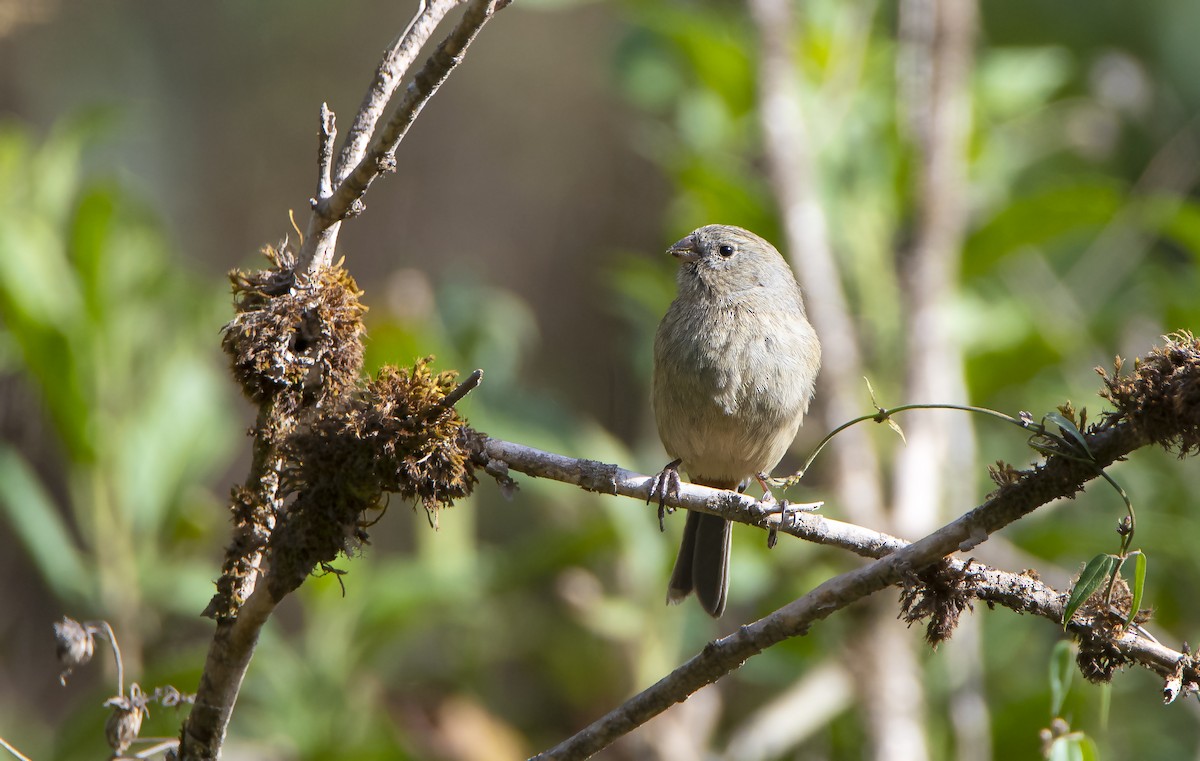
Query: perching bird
[(735, 362)]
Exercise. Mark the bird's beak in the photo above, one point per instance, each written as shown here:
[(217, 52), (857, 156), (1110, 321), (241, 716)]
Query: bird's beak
[(685, 250)]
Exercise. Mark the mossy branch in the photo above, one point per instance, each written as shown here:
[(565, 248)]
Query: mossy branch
[(296, 348), (328, 447), (1158, 404)]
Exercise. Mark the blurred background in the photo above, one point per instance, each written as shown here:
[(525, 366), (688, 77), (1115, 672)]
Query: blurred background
[(984, 203)]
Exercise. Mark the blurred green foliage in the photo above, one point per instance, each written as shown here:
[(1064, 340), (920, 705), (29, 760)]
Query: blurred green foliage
[(110, 332), (114, 341), (520, 621), (1081, 245)]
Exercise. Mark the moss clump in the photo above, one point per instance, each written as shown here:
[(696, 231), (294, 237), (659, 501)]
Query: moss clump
[(400, 433), (937, 594), (1161, 400), (329, 447), (295, 338)]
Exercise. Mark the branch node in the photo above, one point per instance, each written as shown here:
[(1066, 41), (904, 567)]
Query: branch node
[(471, 382), (598, 476), (386, 163)]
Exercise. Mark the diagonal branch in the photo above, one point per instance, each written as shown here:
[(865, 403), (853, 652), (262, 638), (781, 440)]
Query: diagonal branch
[(1158, 404), (369, 153), (388, 76), (1060, 476), (321, 235), (229, 656)]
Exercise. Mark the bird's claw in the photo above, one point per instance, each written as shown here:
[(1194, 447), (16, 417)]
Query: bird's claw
[(788, 512), (665, 484), (787, 519)]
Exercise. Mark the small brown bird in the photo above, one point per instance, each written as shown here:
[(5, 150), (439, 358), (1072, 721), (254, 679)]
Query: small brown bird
[(735, 362)]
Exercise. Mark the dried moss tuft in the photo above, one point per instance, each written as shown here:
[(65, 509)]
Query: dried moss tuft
[(1103, 617), (294, 338), (1161, 399), (252, 525), (398, 434), (334, 445), (938, 594), (1005, 475)]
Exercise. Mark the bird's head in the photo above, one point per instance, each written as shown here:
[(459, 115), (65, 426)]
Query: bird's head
[(727, 260)]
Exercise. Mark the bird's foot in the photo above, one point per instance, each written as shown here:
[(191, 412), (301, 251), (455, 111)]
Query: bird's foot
[(787, 517), (788, 512), (664, 485)]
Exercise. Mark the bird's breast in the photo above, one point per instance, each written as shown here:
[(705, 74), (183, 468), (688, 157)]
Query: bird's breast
[(731, 385)]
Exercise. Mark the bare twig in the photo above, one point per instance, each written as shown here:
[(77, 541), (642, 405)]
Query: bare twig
[(455, 396), (228, 658), (104, 628), (380, 157), (388, 76), (321, 236), (328, 134), (498, 455), (360, 164), (16, 753)]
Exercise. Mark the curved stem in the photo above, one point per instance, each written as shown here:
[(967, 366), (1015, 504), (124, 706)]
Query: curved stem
[(883, 414), (1126, 535), (102, 627)]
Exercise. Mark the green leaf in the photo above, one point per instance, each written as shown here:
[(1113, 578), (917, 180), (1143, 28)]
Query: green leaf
[(36, 282), (35, 519), (1087, 747), (185, 396), (1062, 749), (1062, 669), (1068, 428), (1074, 747), (1094, 574), (1139, 583)]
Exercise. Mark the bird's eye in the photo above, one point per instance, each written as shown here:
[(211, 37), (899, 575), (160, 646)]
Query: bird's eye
[(725, 250)]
